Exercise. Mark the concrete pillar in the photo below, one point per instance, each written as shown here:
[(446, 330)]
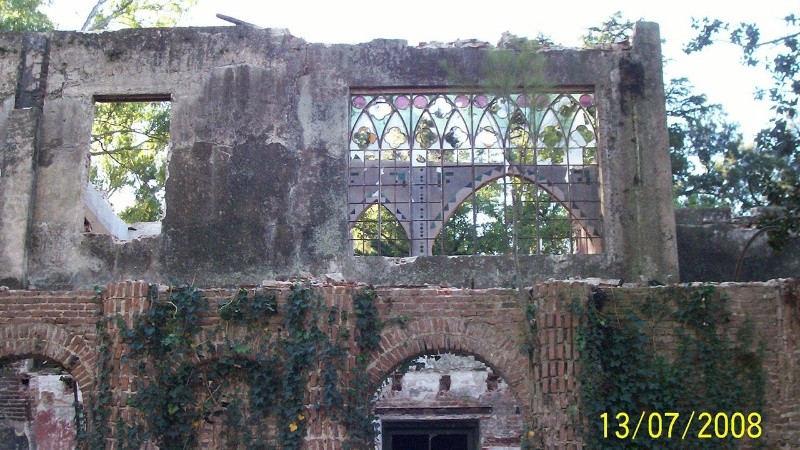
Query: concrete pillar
[(16, 195), (19, 148), (640, 190)]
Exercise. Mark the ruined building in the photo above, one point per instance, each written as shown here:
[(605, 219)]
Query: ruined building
[(278, 148)]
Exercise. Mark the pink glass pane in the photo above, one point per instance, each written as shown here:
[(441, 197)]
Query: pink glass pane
[(359, 102), (481, 101), (401, 102), (523, 100), (462, 101), (542, 101), (420, 101), (585, 100)]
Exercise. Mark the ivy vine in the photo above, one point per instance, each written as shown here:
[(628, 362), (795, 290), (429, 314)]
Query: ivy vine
[(185, 383), (623, 371), (359, 418), (95, 424), (178, 393)]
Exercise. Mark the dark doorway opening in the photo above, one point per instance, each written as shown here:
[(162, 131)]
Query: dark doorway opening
[(431, 435)]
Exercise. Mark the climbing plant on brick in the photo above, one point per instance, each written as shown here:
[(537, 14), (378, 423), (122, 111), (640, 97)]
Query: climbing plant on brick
[(359, 416), (179, 395), (95, 430), (621, 371), (188, 383)]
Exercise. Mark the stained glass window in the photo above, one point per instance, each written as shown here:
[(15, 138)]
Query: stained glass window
[(424, 157)]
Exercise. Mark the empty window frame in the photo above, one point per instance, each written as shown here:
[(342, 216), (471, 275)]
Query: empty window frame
[(430, 159), (431, 435), (129, 154)]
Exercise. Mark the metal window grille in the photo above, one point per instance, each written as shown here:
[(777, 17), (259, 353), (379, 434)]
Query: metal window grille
[(470, 173)]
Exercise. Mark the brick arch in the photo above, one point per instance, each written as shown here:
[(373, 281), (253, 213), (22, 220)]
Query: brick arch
[(70, 350), (493, 347)]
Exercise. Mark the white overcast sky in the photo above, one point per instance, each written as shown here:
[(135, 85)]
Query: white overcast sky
[(715, 71)]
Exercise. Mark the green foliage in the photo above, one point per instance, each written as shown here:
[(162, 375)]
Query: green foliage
[(302, 311), (93, 435), (241, 309), (614, 29), (515, 66), (129, 139), (623, 371), (400, 321), (775, 160), (378, 232), (167, 325), (359, 417), (508, 216), (177, 396), (710, 166), (24, 15), (368, 334), (114, 14), (130, 146)]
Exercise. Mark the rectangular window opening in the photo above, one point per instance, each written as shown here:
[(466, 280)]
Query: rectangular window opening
[(129, 154), (431, 435), (465, 173)]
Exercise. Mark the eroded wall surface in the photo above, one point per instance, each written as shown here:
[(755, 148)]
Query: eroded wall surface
[(713, 246), (257, 185)]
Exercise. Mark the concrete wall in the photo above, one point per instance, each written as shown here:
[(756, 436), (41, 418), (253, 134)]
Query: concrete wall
[(711, 244), (257, 185)]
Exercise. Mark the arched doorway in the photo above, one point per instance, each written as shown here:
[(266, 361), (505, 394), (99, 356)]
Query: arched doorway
[(41, 405), (446, 401)]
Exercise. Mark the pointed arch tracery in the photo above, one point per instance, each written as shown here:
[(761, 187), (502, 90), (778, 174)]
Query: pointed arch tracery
[(422, 154)]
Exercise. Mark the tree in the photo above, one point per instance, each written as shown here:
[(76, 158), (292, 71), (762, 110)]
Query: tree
[(378, 232), (130, 142), (111, 14), (710, 165), (775, 160), (484, 222), (614, 29), (24, 15)]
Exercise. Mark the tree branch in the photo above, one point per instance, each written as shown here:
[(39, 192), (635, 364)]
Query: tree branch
[(92, 14), (778, 40), (103, 24)]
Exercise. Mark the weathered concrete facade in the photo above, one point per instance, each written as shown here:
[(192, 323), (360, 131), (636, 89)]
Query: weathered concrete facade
[(712, 245), (257, 176)]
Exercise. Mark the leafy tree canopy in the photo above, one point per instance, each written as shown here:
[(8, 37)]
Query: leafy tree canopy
[(774, 163), (111, 14), (130, 142), (614, 29), (24, 15), (507, 216), (710, 165)]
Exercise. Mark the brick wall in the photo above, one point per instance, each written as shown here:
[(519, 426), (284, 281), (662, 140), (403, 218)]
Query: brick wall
[(540, 370), (15, 404)]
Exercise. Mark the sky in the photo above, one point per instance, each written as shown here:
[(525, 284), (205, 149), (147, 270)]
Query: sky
[(716, 71)]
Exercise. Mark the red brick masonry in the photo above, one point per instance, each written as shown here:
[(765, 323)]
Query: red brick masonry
[(489, 324)]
